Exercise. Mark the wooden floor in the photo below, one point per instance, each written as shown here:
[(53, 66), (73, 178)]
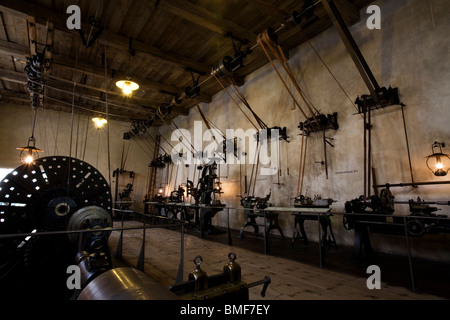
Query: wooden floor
[(295, 272)]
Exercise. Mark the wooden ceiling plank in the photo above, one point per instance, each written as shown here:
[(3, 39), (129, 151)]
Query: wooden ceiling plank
[(138, 19), (20, 78), (13, 76), (120, 11), (205, 18), (113, 103), (271, 10), (13, 49), (41, 14)]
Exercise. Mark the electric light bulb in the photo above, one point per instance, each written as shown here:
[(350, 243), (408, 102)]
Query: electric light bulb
[(127, 86), (99, 122), (29, 159), (439, 165), (127, 89)]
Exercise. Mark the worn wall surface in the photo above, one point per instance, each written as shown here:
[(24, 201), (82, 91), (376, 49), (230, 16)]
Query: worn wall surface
[(53, 134), (411, 52)]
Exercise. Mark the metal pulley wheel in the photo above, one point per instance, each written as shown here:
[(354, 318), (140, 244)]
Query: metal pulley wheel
[(415, 228), (43, 197), (92, 217)]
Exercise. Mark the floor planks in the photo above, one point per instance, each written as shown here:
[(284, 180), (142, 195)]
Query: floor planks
[(295, 272)]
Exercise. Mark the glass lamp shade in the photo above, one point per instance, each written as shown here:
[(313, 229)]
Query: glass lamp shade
[(127, 86), (438, 162), (29, 153), (99, 122)]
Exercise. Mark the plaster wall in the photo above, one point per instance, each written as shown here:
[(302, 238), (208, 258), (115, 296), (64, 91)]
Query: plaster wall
[(53, 133), (410, 52)]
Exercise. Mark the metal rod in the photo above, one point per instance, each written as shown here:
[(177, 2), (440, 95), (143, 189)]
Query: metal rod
[(62, 232), (179, 278), (439, 203), (411, 270), (266, 240), (320, 242), (388, 185), (140, 263), (365, 153), (120, 243), (252, 48), (229, 241), (369, 153), (325, 153), (407, 145)]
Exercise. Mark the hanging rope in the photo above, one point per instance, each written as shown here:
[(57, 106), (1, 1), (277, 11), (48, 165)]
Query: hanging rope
[(191, 148), (160, 145), (255, 168), (267, 45), (107, 111), (55, 152), (261, 123), (276, 51), (334, 77), (71, 128), (208, 123), (302, 165), (234, 100), (85, 138)]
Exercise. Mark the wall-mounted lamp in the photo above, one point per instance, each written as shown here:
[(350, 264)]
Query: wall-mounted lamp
[(218, 187), (29, 153), (99, 122), (438, 162), (127, 86)]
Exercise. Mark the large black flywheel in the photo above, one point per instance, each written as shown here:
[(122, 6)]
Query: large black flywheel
[(42, 197)]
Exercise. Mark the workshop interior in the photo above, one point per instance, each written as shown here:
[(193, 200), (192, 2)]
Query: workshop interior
[(175, 150)]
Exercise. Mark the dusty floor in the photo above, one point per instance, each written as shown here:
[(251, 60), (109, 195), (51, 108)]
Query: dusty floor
[(295, 272)]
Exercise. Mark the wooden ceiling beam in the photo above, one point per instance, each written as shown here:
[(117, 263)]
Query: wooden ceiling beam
[(297, 35), (271, 10), (20, 78), (22, 52), (13, 76), (66, 106), (93, 70), (27, 10), (204, 18)]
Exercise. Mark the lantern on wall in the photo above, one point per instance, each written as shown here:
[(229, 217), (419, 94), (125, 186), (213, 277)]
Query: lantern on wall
[(438, 162)]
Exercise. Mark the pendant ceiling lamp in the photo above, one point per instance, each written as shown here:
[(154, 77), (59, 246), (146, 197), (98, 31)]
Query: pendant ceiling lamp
[(99, 122), (29, 153), (127, 86)]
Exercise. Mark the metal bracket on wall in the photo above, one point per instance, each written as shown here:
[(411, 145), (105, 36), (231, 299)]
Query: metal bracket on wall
[(321, 123)]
